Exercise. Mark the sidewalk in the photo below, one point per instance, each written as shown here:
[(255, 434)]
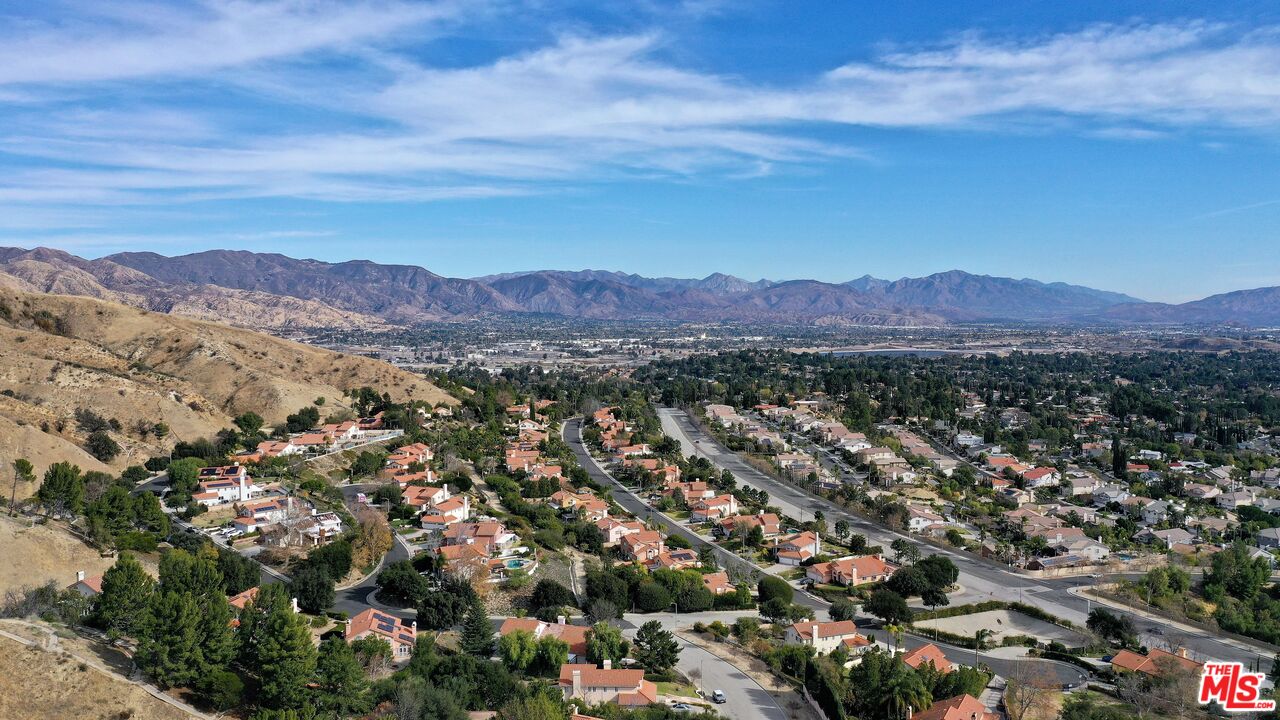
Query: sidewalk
[(1257, 648)]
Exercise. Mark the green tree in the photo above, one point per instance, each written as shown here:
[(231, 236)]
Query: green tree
[(655, 648), (286, 659), (518, 650), (534, 707), (552, 653), (222, 689), (939, 570), (605, 642), (342, 687), (400, 582), (250, 423), (313, 587), (169, 639), (908, 581), (62, 489), (148, 515), (652, 597), (101, 446), (197, 574), (126, 589), (23, 472), (889, 606), (842, 609), (901, 688), (477, 632), (549, 593), (771, 586)]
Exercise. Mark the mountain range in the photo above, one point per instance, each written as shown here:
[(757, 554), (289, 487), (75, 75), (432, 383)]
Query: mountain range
[(272, 290)]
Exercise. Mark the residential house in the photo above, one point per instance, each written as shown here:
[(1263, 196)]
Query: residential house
[(1235, 500), (1041, 477), (422, 496), (919, 518), (718, 583), (401, 634), (769, 523), (928, 654), (224, 484), (614, 529), (575, 636), (489, 536), (824, 637), (714, 508), (851, 571), (595, 686), (642, 546), (960, 707), (797, 548), (89, 587), (1107, 494), (1155, 663), (1269, 538), (440, 516), (1167, 538)]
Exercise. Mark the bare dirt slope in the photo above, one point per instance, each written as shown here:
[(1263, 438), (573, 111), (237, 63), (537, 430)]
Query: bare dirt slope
[(52, 684), (59, 353), (35, 555)]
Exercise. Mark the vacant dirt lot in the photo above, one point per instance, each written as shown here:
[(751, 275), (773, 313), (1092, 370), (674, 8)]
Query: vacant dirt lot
[(1005, 623), (36, 555), (46, 684)]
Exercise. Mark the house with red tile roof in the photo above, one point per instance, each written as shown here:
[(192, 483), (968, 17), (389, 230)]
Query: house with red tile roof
[(575, 636), (401, 634), (89, 587), (718, 583), (713, 508), (770, 524), (851, 571), (595, 686), (488, 536), (614, 529), (797, 548), (825, 637), (960, 707), (677, 559), (642, 546), (240, 600), (423, 496), (1155, 662), (928, 654), (440, 516)]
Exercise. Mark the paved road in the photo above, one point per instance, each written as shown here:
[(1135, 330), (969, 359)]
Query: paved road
[(981, 579), (745, 698), (360, 596)]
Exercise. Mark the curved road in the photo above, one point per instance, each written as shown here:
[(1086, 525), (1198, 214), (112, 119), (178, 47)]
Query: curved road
[(982, 579)]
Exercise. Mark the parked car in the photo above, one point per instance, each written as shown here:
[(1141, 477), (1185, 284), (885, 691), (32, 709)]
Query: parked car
[(718, 697)]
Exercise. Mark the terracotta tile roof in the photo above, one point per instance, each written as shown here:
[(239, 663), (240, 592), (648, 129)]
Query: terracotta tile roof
[(960, 707), (928, 653), (825, 629), (1153, 663)]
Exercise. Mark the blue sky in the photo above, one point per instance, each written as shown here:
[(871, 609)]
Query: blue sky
[(1126, 146)]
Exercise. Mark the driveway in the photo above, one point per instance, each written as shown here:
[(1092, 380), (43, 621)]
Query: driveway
[(745, 698)]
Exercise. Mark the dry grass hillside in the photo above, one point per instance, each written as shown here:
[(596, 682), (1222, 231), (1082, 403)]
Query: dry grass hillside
[(60, 353), (41, 553)]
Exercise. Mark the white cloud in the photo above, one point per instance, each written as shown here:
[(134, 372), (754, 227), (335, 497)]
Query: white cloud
[(380, 123)]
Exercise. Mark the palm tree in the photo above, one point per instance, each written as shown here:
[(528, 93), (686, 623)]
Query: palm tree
[(980, 636), (896, 632), (901, 692)]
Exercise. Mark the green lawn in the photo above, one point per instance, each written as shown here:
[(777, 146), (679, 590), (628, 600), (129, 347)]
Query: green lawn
[(680, 689)]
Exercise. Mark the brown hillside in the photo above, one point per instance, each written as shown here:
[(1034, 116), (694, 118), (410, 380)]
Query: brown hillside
[(60, 353)]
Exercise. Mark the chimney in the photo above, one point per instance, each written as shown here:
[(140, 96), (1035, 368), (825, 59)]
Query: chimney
[(910, 712), (608, 664), (560, 619), (293, 603), (577, 683), (814, 629), (79, 576), (1181, 652)]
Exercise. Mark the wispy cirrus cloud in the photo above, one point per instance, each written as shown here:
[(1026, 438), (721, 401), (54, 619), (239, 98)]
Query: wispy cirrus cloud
[(148, 104)]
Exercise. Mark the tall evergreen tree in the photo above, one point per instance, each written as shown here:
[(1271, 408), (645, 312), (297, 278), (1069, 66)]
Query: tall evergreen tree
[(286, 658), (169, 639), (253, 621), (477, 632), (342, 685), (656, 649), (62, 489), (217, 638), (126, 588)]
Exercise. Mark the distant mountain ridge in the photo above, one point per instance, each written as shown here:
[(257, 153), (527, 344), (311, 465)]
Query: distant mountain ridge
[(273, 290)]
